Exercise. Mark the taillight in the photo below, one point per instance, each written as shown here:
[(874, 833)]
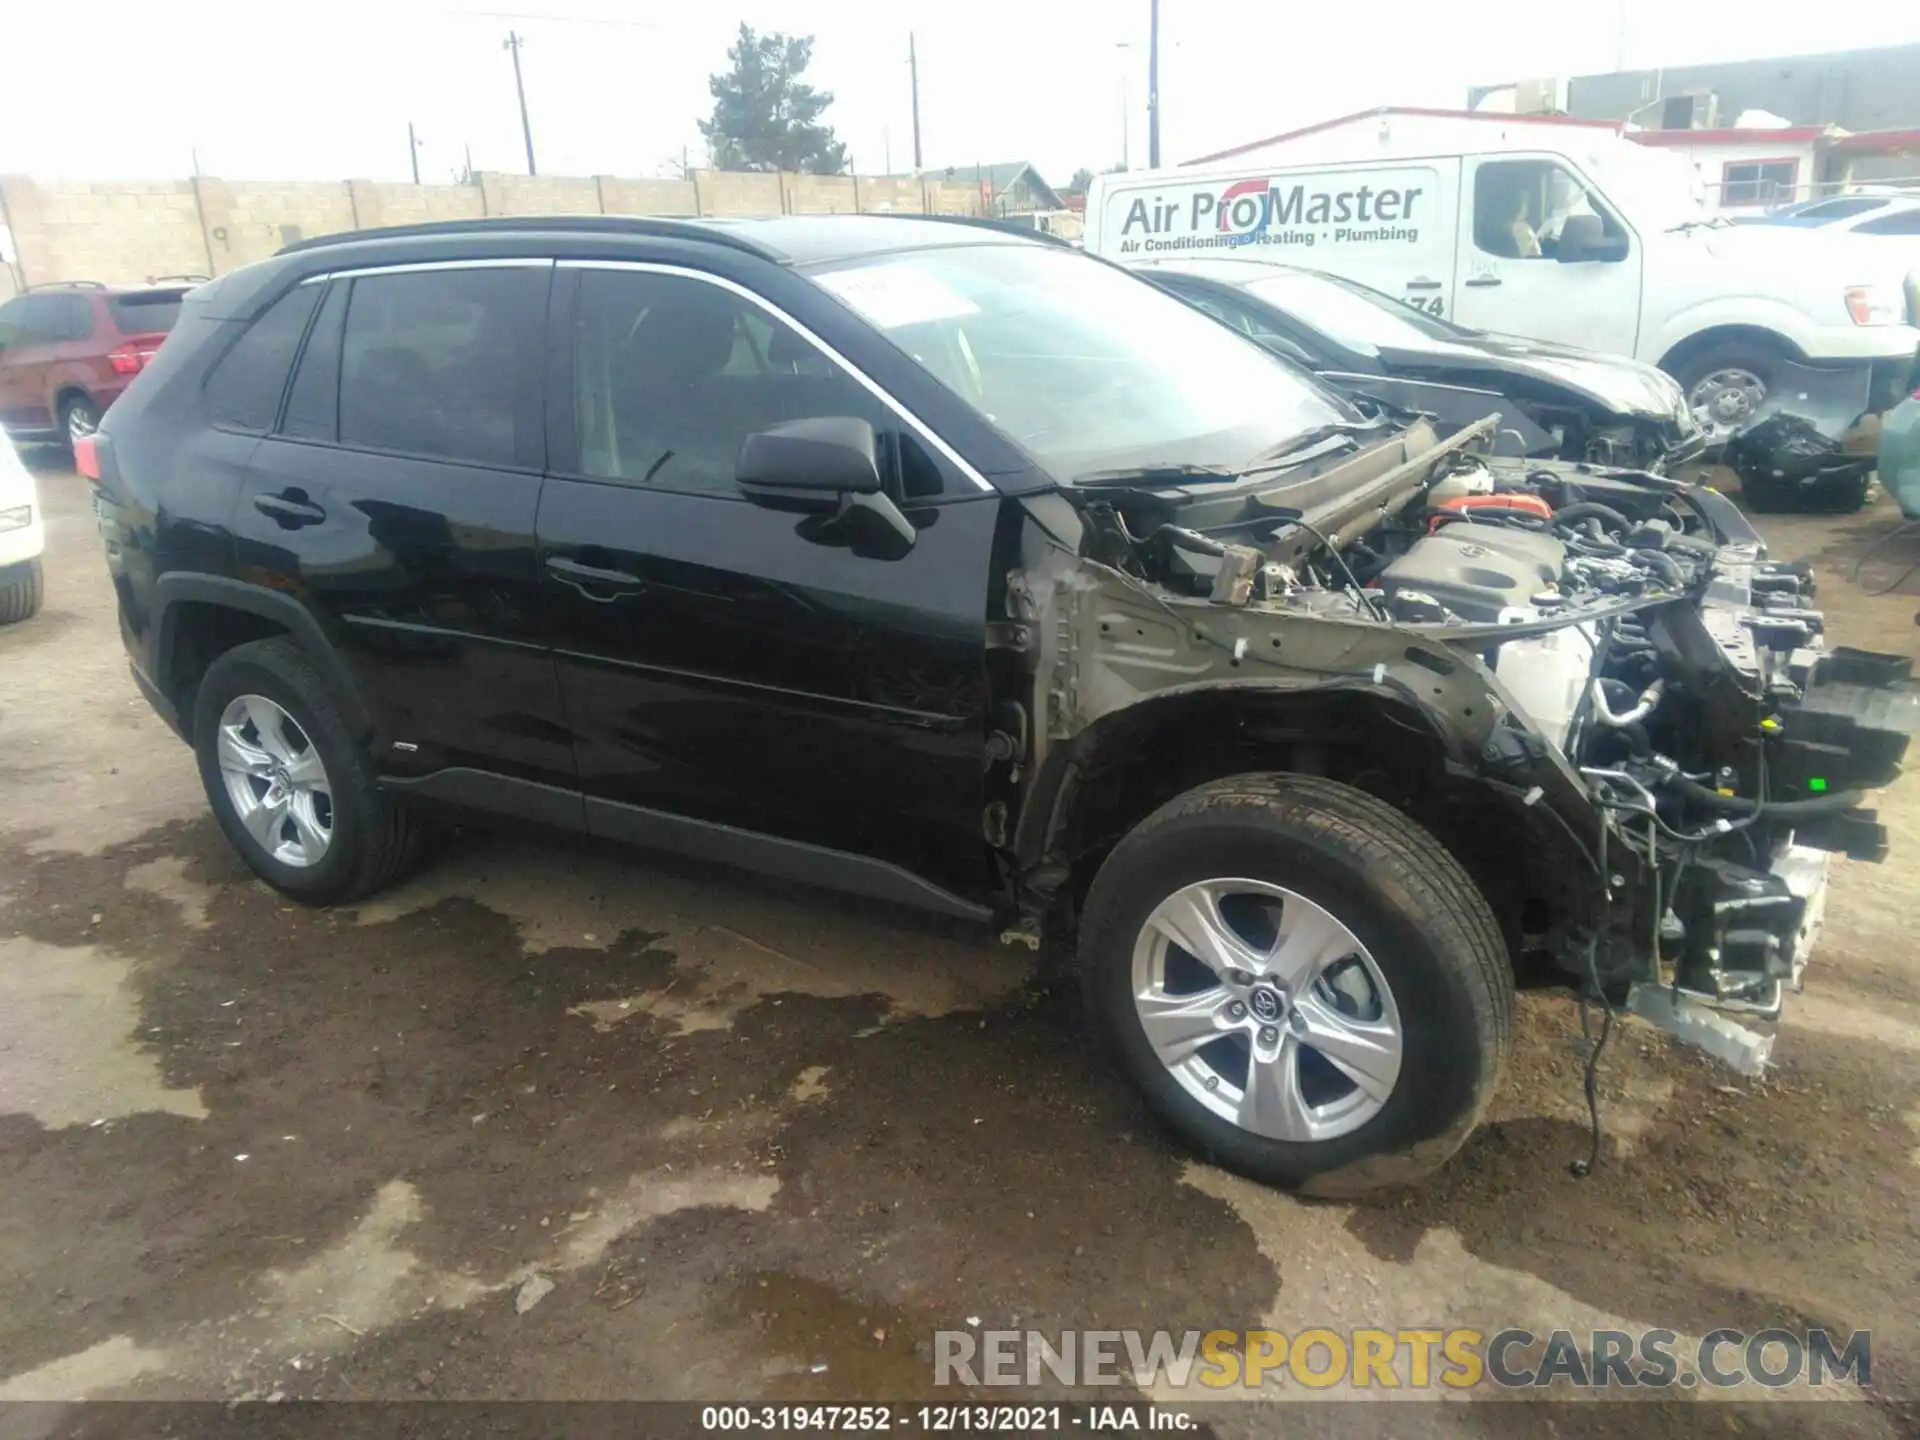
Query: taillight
[(133, 357), (86, 457)]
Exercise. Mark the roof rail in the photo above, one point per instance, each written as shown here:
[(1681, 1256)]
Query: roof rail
[(184, 279), (67, 285), (979, 222), (541, 224)]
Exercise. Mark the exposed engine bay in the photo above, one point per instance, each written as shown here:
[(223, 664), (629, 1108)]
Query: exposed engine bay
[(1608, 653)]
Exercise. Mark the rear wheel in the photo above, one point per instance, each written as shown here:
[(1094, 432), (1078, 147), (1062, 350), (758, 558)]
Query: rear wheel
[(1304, 985), (289, 782), (21, 589), (79, 418)]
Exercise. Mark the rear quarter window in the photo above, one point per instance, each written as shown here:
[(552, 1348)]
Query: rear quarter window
[(146, 312), (243, 392)]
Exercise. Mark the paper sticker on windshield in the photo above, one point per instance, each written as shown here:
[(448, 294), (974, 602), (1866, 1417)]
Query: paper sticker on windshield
[(895, 295)]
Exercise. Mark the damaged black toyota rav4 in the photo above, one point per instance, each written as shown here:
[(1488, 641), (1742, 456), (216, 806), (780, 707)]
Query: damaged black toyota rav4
[(944, 567)]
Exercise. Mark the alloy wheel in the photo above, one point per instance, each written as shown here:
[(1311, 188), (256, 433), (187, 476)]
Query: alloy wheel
[(276, 781), (1267, 1009)]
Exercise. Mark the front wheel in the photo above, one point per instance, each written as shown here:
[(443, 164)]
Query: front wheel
[(1727, 384), (1303, 983), (21, 587)]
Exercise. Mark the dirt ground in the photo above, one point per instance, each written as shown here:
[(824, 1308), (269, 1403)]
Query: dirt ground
[(253, 1150)]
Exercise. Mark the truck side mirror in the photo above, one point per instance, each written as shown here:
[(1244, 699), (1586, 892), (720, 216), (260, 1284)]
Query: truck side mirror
[(1584, 238)]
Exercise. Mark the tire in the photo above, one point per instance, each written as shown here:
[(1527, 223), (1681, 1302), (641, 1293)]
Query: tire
[(1753, 357), (1422, 929), (22, 587), (78, 417), (370, 839)]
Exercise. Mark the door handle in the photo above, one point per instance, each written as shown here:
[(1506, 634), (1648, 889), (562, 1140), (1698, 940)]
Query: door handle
[(572, 572), (1481, 282), (290, 508), (1423, 285)]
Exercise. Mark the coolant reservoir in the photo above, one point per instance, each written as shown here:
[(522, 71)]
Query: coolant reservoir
[(1546, 674)]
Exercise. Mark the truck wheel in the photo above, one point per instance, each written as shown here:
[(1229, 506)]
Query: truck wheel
[(21, 588), (291, 787), (1305, 986), (1726, 384)]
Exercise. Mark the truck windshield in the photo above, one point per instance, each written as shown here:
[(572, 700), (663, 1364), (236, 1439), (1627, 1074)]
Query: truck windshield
[(1089, 369)]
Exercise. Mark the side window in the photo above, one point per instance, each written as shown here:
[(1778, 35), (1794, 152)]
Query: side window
[(1520, 205), (13, 321), (36, 320), (243, 391), (1904, 224), (446, 364), (313, 404), (76, 317), (671, 374)]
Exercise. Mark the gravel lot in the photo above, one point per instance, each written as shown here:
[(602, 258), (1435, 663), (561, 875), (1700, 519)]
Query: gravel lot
[(249, 1149)]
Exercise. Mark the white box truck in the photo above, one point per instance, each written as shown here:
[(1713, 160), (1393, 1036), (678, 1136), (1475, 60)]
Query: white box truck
[(1542, 226)]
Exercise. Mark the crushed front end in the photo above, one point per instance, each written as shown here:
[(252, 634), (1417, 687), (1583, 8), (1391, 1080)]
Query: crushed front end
[(1633, 712)]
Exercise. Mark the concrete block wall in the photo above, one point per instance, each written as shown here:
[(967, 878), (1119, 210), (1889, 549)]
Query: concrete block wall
[(127, 232), (249, 220), (77, 231), (539, 194), (648, 197)]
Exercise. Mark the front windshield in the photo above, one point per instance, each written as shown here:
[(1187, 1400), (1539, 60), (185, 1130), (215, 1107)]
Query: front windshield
[(1086, 367), (1351, 314)]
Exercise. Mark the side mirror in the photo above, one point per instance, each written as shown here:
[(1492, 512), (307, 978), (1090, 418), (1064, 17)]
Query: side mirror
[(827, 469), (810, 462), (1584, 238)]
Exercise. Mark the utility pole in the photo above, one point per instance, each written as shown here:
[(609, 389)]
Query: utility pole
[(913, 69), (1153, 84), (1126, 105), (513, 42), (413, 151)]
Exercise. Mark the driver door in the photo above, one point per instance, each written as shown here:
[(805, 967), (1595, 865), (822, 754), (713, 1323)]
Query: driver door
[(1510, 280), (736, 665)]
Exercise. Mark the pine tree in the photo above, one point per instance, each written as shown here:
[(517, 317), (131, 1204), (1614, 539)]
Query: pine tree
[(764, 118)]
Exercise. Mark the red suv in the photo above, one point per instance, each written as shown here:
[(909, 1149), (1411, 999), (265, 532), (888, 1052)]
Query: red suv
[(68, 350)]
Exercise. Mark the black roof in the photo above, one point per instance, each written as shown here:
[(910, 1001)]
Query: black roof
[(785, 239)]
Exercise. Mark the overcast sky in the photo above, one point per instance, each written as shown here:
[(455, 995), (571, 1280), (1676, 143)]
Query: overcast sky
[(271, 90)]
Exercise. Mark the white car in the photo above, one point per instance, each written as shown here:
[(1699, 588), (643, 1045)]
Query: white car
[(23, 535), (1864, 214)]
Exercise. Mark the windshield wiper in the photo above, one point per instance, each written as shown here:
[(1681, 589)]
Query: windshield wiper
[(1169, 473), (1275, 458), (1279, 457)]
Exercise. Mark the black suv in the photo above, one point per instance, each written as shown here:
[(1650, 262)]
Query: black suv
[(947, 567)]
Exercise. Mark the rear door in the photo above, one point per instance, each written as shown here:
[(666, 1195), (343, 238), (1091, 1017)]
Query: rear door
[(739, 665), (397, 499)]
